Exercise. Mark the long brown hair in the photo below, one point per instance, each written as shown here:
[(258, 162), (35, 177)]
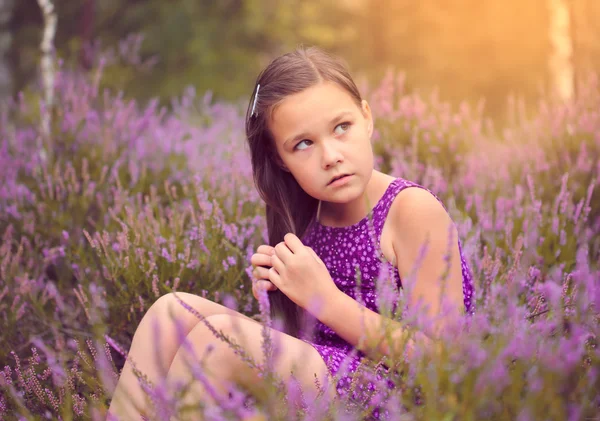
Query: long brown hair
[(288, 207)]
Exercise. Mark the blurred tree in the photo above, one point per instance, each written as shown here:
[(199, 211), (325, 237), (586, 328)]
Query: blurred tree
[(6, 77), (48, 56), (86, 31), (560, 58), (467, 48), (26, 26), (585, 15)]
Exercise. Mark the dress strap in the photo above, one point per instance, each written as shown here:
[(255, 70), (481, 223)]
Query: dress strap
[(380, 214)]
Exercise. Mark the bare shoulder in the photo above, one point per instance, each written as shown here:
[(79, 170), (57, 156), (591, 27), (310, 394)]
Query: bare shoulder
[(416, 202), (416, 210), (414, 215)]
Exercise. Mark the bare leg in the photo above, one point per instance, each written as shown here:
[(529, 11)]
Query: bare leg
[(128, 394), (222, 365)]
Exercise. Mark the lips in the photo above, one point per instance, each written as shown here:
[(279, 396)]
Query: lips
[(337, 177)]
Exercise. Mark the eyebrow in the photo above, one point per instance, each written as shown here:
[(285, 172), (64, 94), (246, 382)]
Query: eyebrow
[(304, 134)]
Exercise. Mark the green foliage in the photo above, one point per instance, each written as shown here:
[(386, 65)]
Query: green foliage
[(98, 230), (466, 49)]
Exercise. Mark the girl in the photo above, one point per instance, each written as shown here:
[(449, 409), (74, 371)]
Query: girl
[(309, 133)]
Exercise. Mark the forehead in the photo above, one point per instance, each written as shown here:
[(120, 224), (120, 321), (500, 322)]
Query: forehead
[(305, 110)]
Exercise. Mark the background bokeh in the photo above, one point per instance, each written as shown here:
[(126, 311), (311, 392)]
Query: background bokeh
[(468, 49), (125, 176)]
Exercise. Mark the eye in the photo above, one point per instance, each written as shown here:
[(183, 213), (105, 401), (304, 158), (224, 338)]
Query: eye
[(346, 126), (346, 123), (299, 143)]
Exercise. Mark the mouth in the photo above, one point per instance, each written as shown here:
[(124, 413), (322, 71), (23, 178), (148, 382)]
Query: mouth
[(337, 177)]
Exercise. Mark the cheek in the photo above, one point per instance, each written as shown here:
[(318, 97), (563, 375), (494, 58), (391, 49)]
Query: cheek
[(303, 172), (361, 145), (363, 153), (308, 184)]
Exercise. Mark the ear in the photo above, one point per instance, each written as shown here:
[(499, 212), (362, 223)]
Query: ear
[(366, 111)]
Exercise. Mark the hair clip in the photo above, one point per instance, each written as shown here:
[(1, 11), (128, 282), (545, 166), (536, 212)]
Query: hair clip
[(255, 99)]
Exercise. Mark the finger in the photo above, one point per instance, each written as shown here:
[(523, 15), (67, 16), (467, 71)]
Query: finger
[(293, 242), (265, 249), (277, 264), (283, 252), (266, 285), (260, 272), (274, 277), (262, 285), (260, 259)]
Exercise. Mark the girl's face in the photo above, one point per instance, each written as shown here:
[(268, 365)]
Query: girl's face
[(321, 133)]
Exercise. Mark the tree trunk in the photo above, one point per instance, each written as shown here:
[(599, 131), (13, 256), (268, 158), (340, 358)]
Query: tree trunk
[(86, 33), (561, 56), (6, 78), (48, 71), (585, 35)]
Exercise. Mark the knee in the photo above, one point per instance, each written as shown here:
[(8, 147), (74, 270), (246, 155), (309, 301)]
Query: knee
[(168, 303), (161, 306), (168, 310)]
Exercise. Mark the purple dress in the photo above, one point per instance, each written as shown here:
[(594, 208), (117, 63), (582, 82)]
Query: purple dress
[(343, 249)]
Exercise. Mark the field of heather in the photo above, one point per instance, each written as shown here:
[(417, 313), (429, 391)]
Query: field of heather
[(123, 203)]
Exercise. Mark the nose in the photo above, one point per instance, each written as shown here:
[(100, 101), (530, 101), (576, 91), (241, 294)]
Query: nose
[(331, 155)]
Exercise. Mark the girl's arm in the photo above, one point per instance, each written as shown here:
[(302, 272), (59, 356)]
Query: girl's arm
[(417, 218)]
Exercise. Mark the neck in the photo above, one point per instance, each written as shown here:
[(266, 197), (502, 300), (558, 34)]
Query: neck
[(350, 213)]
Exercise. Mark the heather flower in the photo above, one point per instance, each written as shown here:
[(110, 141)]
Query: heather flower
[(149, 200)]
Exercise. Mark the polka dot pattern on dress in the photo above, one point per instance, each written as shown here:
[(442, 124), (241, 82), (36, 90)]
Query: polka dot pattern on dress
[(355, 250)]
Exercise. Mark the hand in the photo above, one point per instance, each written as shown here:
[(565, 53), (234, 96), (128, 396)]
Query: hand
[(300, 274), (262, 258)]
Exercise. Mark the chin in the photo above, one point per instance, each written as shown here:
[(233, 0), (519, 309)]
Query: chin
[(346, 196)]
